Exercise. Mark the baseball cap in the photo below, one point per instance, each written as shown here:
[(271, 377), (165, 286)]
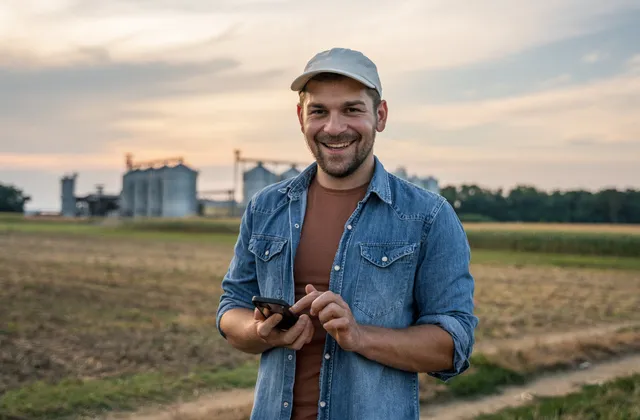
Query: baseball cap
[(344, 61)]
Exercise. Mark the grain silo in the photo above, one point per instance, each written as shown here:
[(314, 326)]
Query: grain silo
[(141, 192), (179, 193), (155, 191), (69, 195), (256, 179), (127, 196), (160, 188), (292, 172)]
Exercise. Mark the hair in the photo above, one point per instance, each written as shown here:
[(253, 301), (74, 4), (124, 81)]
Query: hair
[(332, 77)]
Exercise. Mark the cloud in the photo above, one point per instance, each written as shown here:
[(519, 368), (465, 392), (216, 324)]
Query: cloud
[(556, 81), (593, 57), (605, 109), (85, 108), (634, 64)]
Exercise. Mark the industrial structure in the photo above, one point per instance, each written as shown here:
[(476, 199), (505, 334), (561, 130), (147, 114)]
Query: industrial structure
[(429, 183), (168, 188), (159, 188), (93, 204)]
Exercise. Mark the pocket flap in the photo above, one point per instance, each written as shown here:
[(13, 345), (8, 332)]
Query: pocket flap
[(266, 248), (384, 255)]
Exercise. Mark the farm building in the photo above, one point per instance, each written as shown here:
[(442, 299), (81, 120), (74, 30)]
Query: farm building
[(93, 204), (167, 190), (429, 183), (258, 177)]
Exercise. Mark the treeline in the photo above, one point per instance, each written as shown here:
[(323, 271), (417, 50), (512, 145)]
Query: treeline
[(528, 204)]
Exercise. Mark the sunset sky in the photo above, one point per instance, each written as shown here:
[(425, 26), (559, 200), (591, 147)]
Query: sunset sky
[(496, 93)]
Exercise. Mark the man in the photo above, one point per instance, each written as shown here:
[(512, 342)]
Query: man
[(376, 268)]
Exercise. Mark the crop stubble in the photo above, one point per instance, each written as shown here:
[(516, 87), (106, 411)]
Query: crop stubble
[(74, 306)]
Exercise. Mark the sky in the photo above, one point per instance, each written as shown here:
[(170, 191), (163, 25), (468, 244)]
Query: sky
[(496, 93)]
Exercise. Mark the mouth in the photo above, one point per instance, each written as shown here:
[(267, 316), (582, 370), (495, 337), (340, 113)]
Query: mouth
[(338, 146)]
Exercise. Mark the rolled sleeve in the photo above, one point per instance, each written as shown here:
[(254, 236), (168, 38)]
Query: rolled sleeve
[(239, 284), (444, 286)]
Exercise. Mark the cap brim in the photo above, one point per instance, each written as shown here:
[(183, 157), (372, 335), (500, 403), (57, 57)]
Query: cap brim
[(299, 83)]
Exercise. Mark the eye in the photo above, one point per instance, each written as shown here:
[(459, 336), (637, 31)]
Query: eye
[(352, 110)]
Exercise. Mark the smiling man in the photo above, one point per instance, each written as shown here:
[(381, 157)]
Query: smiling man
[(376, 268)]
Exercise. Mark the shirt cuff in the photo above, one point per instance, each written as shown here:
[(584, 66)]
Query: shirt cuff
[(227, 305), (462, 346)]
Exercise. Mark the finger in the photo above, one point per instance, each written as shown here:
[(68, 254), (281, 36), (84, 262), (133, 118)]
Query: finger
[(309, 288), (311, 332), (336, 324), (265, 328), (303, 338), (331, 311), (322, 301), (305, 302), (296, 331), (257, 315)]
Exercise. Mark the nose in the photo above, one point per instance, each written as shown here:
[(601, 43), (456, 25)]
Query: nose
[(335, 124)]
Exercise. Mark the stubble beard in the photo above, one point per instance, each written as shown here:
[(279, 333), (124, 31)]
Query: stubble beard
[(336, 167)]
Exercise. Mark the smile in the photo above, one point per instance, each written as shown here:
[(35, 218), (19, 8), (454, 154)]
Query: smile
[(338, 146)]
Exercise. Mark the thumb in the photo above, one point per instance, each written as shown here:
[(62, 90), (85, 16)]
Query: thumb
[(309, 288)]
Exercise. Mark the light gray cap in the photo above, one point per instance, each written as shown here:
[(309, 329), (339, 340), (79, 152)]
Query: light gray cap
[(343, 61)]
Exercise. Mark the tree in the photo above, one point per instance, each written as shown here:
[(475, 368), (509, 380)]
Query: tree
[(12, 199)]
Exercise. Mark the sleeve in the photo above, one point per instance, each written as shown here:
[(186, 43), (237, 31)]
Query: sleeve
[(444, 286), (240, 283)]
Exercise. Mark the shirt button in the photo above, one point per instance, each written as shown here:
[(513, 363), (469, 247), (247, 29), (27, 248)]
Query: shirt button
[(323, 404), (327, 356), (297, 226), (337, 268), (286, 404), (266, 252), (349, 227), (290, 357), (385, 259)]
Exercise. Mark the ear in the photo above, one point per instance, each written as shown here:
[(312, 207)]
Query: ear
[(382, 113), (300, 117)]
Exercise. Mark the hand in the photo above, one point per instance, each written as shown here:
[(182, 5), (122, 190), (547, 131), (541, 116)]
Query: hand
[(335, 316), (294, 338)]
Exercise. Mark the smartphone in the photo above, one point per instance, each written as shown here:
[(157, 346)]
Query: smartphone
[(276, 306)]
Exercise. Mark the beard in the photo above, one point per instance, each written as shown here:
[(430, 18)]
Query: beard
[(342, 166)]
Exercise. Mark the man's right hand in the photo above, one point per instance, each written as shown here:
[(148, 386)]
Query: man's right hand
[(294, 338)]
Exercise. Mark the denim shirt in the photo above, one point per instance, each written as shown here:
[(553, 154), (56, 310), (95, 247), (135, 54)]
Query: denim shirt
[(403, 260)]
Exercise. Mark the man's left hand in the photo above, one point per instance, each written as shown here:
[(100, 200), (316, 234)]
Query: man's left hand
[(334, 314)]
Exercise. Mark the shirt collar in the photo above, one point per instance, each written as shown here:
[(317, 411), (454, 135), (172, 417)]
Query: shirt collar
[(379, 184)]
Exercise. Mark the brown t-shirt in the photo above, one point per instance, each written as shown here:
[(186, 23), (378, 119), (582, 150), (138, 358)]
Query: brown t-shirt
[(326, 215)]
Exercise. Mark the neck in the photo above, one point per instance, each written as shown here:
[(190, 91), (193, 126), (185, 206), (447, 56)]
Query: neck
[(360, 177)]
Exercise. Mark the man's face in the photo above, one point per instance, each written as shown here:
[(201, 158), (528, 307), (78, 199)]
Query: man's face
[(339, 124)]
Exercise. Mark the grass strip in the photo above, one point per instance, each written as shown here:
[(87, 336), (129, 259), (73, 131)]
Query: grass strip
[(614, 400), (76, 397)]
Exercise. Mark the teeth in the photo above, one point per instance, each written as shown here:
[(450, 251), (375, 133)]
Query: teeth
[(338, 146)]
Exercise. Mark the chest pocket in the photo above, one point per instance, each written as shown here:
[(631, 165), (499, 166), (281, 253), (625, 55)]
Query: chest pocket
[(385, 277), (269, 252)]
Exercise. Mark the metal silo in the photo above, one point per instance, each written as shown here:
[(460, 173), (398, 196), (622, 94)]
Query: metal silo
[(68, 184), (141, 192), (179, 191), (256, 179), (292, 172), (155, 192), (128, 194)]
